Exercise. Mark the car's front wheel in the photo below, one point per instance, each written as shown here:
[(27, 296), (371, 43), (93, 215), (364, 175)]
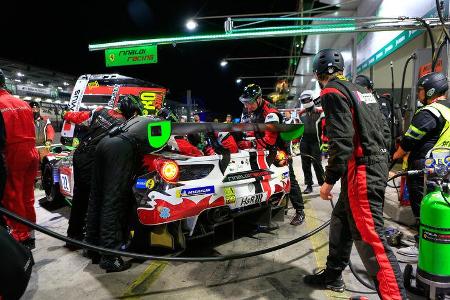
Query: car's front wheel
[(50, 187)]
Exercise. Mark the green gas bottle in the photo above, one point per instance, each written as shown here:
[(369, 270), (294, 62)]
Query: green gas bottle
[(434, 240)]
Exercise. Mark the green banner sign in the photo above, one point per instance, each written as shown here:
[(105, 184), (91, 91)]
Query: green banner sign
[(131, 56)]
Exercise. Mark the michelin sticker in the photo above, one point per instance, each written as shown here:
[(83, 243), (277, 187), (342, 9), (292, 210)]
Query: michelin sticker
[(195, 191), (250, 200)]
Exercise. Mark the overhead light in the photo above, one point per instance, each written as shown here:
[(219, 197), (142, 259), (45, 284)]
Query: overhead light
[(297, 45), (223, 63), (37, 99), (48, 100), (27, 98), (313, 80), (20, 74), (238, 80), (58, 101), (60, 88), (191, 24), (17, 80), (40, 84), (65, 83)]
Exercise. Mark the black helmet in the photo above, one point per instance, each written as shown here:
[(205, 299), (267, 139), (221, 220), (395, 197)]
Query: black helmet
[(34, 104), (251, 93), (364, 81), (328, 61), (2, 78), (434, 84), (129, 105)]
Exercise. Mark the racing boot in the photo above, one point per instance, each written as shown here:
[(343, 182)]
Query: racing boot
[(114, 264), (299, 218), (308, 190), (328, 279)]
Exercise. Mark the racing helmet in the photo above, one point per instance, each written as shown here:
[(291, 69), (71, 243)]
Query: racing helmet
[(434, 84), (34, 104), (328, 61), (251, 93), (306, 98), (364, 81), (2, 78), (129, 105)]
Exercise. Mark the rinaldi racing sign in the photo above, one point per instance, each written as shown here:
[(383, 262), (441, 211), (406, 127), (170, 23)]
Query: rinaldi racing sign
[(131, 56)]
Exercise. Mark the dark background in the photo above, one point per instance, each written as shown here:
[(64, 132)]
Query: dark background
[(56, 35)]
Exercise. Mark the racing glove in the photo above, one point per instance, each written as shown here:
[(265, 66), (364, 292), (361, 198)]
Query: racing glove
[(324, 147)]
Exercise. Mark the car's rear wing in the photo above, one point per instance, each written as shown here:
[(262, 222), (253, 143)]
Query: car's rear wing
[(108, 89)]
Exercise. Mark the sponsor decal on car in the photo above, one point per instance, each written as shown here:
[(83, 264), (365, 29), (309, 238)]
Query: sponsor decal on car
[(140, 183), (230, 196), (285, 175), (250, 200), (246, 175), (195, 191), (164, 212)]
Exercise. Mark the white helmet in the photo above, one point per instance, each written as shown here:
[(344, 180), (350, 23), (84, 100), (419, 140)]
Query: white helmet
[(306, 98)]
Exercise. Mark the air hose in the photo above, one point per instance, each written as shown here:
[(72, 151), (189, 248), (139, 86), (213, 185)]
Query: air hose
[(159, 258), (411, 57)]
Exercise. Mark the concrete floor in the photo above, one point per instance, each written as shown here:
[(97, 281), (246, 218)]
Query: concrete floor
[(62, 274)]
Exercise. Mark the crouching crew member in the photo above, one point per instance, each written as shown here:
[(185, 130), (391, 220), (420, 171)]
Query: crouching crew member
[(358, 156)]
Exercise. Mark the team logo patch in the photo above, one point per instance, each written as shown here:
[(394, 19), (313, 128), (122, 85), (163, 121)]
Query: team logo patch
[(195, 191), (367, 98), (431, 92)]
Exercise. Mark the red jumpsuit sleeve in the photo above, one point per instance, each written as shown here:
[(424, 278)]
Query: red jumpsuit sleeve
[(77, 117)]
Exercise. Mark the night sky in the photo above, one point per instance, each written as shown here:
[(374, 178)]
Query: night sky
[(56, 35)]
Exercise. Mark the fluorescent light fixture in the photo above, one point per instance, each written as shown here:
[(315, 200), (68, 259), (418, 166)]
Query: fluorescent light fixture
[(60, 88), (17, 80), (48, 100), (337, 28), (191, 24), (65, 83), (223, 63), (313, 80), (58, 101), (238, 80), (40, 84), (20, 74), (27, 98), (37, 99)]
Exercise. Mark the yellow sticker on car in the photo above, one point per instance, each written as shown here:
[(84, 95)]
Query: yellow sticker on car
[(230, 196)]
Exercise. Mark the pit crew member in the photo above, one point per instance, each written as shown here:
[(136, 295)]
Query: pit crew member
[(358, 156), (22, 160), (258, 110), (310, 145), (45, 133), (97, 122), (428, 129)]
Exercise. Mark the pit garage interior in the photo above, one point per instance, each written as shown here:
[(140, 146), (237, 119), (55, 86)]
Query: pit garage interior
[(385, 57)]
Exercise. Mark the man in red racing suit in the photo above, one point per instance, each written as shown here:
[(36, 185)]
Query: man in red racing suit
[(359, 158), (22, 160), (258, 110), (98, 123)]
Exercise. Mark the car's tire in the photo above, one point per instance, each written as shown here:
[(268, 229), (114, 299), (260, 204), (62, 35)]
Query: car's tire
[(51, 188)]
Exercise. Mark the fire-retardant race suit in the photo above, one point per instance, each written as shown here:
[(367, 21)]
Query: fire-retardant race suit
[(22, 162), (111, 193), (358, 156), (309, 145), (267, 113), (98, 122)]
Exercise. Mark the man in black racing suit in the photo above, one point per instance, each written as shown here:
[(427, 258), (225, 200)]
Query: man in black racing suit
[(358, 156), (258, 110), (98, 123)]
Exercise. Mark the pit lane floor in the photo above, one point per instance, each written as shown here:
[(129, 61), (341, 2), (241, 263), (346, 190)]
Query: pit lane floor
[(62, 274)]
